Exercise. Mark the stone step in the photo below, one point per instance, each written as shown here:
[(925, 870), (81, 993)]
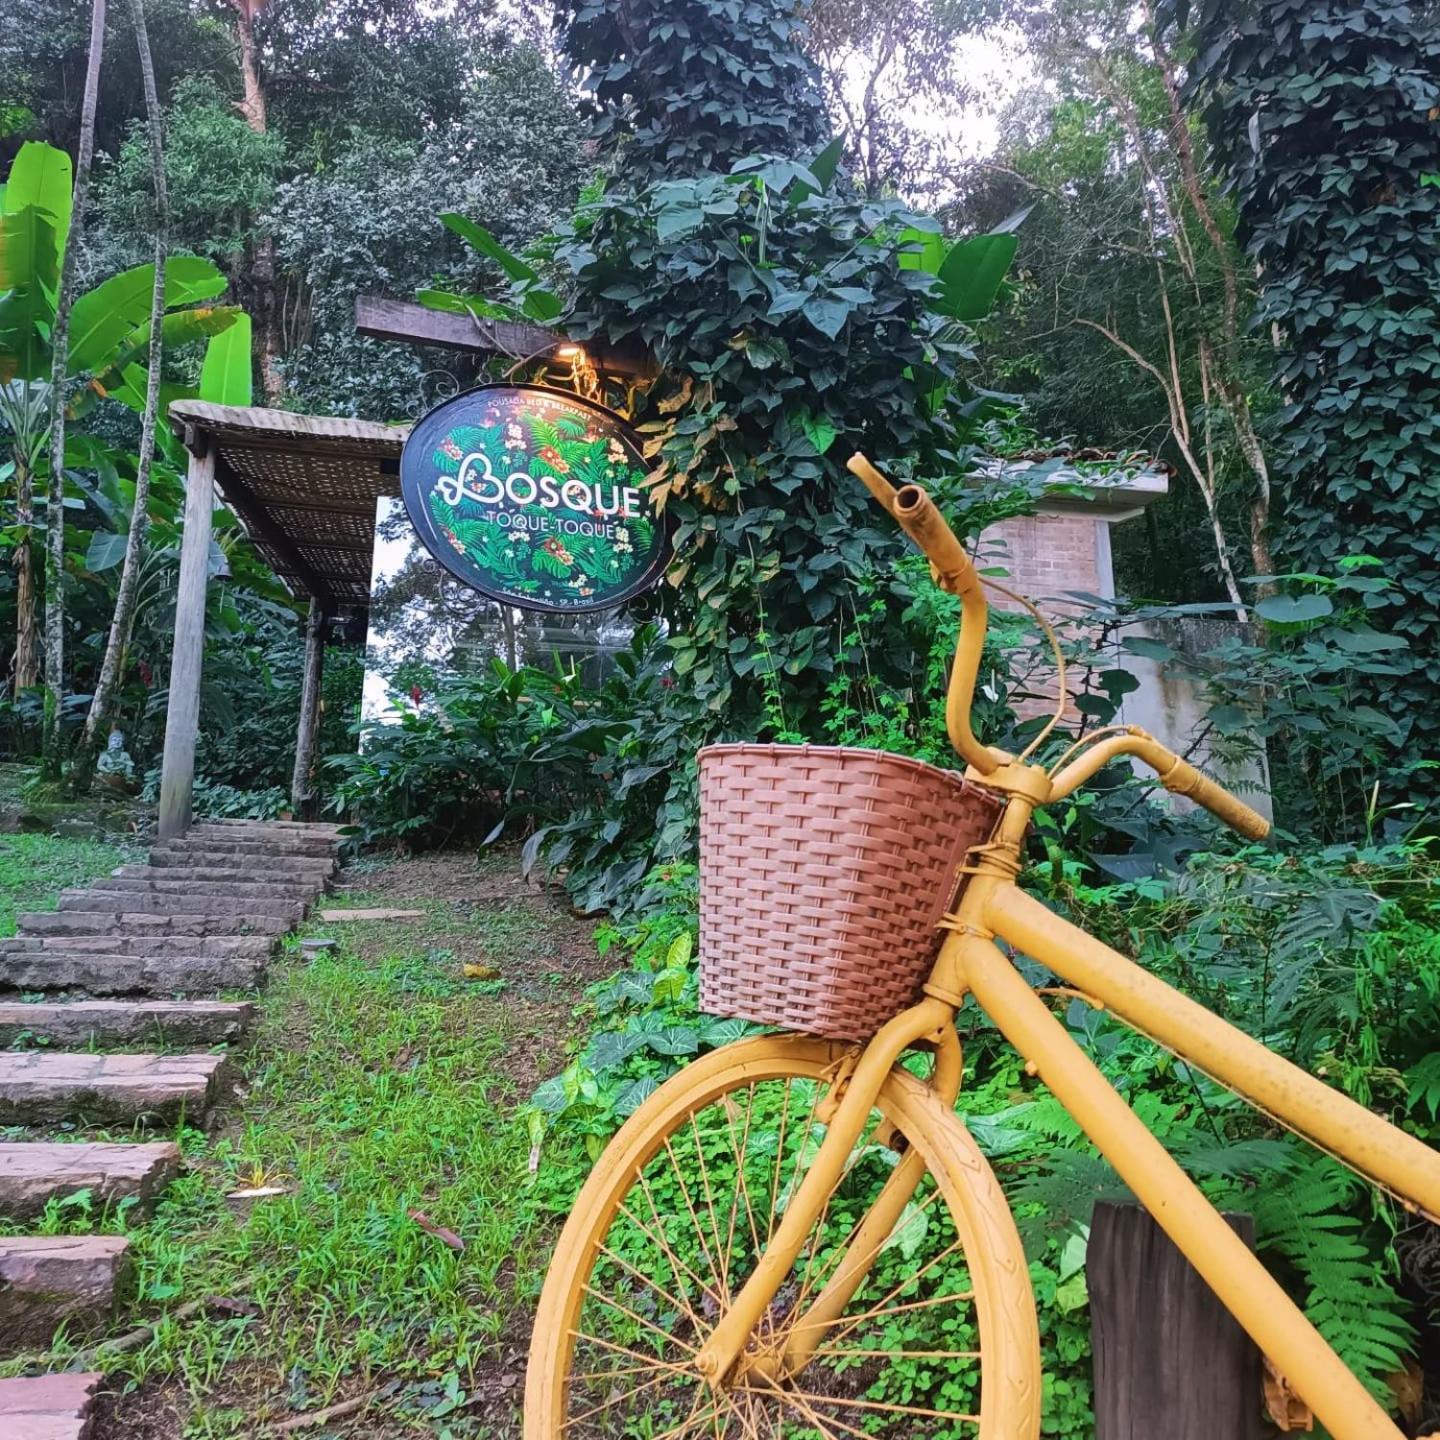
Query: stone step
[(48, 1407), (291, 911), (39, 1087), (51, 1280), (135, 921), (172, 857), (49, 972), (140, 879), (254, 947), (31, 1174), (294, 840), (120, 1022), (323, 828), (200, 877)]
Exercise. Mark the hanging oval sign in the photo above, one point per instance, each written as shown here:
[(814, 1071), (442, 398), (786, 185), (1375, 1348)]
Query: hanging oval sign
[(534, 497)]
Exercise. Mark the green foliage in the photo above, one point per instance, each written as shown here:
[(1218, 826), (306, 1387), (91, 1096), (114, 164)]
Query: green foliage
[(600, 778), (690, 88), (1322, 112), (792, 328), (364, 223), (1302, 691), (219, 173)]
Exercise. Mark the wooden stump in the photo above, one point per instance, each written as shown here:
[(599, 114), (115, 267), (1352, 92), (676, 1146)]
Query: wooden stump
[(1169, 1359)]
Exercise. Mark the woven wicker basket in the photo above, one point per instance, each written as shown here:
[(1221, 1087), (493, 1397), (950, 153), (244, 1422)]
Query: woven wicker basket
[(823, 874)]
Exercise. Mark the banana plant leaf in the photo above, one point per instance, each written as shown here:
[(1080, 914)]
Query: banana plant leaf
[(104, 318), (41, 176)]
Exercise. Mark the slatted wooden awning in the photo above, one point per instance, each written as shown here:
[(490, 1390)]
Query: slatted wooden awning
[(304, 487)]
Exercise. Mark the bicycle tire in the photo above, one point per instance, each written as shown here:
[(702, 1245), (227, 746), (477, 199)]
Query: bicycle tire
[(1003, 1368)]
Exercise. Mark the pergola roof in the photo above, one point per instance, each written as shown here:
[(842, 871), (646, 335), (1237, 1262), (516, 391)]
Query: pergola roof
[(303, 486)]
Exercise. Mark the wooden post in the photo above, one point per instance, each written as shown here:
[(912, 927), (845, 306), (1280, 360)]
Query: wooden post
[(182, 715), (1169, 1358), (306, 730)]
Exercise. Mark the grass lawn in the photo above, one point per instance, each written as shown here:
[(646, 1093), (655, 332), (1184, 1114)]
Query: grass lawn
[(382, 1081), (34, 869)]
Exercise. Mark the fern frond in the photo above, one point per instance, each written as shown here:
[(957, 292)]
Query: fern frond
[(1308, 1218), (1059, 1199), (1238, 1159)]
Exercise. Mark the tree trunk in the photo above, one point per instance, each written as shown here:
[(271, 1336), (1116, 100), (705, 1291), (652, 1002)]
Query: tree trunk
[(1169, 1358), (264, 301), (27, 672), (60, 353), (103, 701)]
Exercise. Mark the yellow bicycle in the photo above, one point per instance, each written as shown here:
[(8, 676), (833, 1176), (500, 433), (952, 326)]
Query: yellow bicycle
[(799, 1237)]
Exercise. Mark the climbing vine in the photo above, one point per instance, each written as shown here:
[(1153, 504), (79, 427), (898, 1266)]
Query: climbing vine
[(1326, 117)]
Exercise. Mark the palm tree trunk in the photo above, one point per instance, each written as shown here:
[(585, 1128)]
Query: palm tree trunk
[(60, 351), (103, 702)]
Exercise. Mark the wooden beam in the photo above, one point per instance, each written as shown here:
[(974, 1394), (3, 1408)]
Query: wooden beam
[(384, 319), (301, 789), (182, 713)]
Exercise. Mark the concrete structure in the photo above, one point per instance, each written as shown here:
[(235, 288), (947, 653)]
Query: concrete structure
[(1060, 558)]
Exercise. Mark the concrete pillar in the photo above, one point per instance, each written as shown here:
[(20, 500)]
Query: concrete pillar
[(182, 716)]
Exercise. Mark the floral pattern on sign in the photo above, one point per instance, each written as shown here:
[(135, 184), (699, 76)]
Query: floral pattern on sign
[(535, 498)]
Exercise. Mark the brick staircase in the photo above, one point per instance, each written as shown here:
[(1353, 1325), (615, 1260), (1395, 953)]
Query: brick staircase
[(157, 941)]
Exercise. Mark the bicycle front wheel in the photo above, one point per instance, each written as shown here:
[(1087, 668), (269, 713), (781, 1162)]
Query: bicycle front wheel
[(938, 1340)]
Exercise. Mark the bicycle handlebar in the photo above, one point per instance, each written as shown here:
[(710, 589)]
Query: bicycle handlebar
[(953, 571), (951, 567), (925, 525)]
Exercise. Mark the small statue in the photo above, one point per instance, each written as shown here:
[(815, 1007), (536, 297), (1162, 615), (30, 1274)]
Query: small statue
[(115, 768)]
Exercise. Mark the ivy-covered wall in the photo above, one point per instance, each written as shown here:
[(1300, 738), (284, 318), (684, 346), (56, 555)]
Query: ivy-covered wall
[(794, 322), (1326, 116)]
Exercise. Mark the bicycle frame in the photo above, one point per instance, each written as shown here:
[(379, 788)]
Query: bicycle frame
[(992, 907), (970, 963)]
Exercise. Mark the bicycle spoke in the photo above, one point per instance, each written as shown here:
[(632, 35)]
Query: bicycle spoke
[(789, 1398), (742, 1190), (638, 1319), (710, 1204), (719, 1280), (645, 1280), (888, 1407), (674, 1259), (613, 1374), (882, 1307), (627, 1394), (853, 1159), (824, 1352), (649, 1361)]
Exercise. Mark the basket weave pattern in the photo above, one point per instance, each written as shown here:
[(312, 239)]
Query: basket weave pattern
[(824, 872)]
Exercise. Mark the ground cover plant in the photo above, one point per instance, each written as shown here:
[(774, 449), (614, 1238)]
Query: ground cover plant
[(35, 868), (380, 1101)]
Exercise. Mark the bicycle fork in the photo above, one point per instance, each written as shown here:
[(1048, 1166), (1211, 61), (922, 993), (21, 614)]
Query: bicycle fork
[(931, 1019)]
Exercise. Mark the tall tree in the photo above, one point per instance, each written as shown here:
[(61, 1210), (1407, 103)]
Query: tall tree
[(688, 88), (264, 305), (60, 357), (102, 702), (1143, 257), (1324, 115), (893, 83)]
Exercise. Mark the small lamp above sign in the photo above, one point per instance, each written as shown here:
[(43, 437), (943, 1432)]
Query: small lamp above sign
[(535, 498)]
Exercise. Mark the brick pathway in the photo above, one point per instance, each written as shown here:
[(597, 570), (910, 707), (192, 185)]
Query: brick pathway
[(202, 916)]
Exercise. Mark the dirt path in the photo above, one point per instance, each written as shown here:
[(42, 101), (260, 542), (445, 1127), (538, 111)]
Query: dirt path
[(384, 1081)]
